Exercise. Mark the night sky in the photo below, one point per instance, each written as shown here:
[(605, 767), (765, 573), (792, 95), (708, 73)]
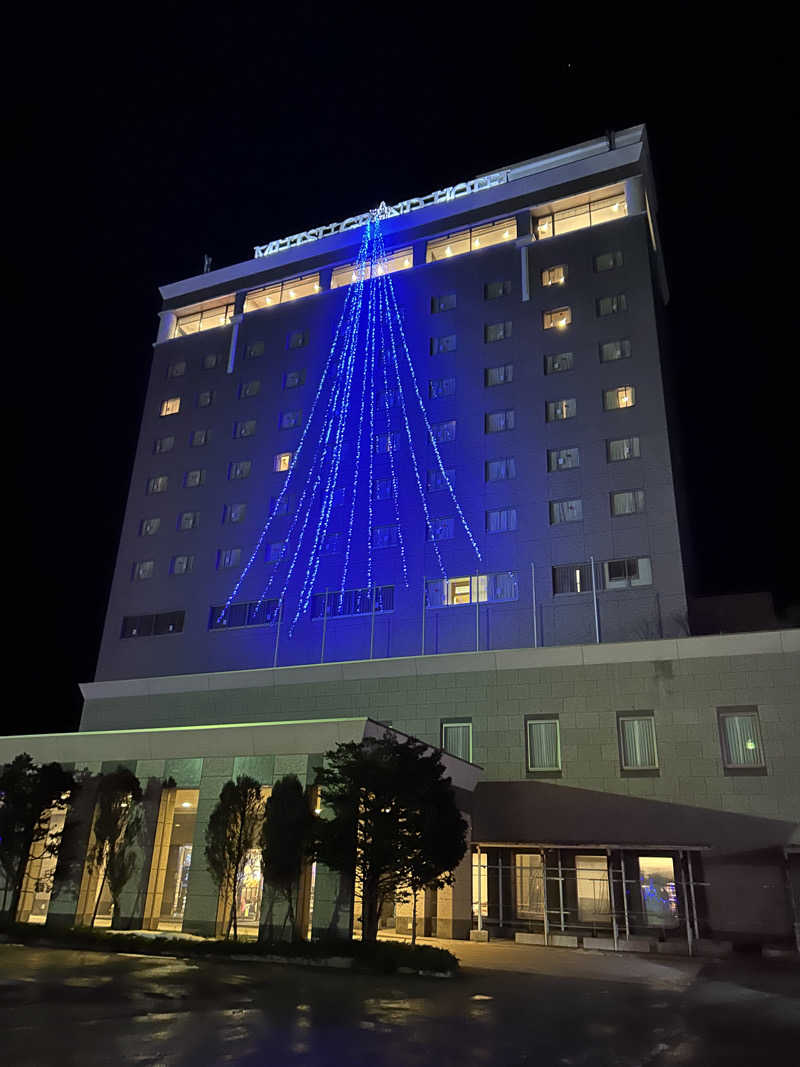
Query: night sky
[(136, 149)]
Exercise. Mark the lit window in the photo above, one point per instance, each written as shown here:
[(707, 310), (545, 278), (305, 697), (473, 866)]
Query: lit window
[(501, 375), (198, 438), (403, 259), (557, 318), (572, 578), (387, 442), (501, 520), (554, 275), (622, 448), (500, 470), (281, 292), (444, 431), (565, 511), (613, 350), (192, 479), (188, 520), (148, 527), (245, 428), (740, 734), (607, 261), (611, 305), (205, 399), (234, 513), (494, 290), (274, 551), (282, 461), (499, 421), (382, 489), (628, 502), (158, 484), (438, 480), (457, 739), (239, 469), (500, 587), (290, 420), (164, 444), (439, 387), (181, 564), (496, 331), (211, 360), (637, 742), (247, 389), (228, 557), (621, 573), (443, 344), (623, 397), (254, 349), (294, 379), (143, 570), (176, 370), (544, 745), (386, 536), (206, 317), (442, 529), (598, 206), (456, 244), (444, 302), (171, 406), (557, 364), (556, 410), (562, 459)]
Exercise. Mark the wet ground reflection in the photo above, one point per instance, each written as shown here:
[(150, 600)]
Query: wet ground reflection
[(59, 1007)]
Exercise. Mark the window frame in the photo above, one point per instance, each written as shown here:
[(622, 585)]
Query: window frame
[(543, 772), (741, 769), (652, 771), (465, 720)]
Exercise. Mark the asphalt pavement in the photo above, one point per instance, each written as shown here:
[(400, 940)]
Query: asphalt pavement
[(541, 1006)]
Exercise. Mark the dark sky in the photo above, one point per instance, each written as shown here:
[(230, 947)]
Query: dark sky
[(135, 148)]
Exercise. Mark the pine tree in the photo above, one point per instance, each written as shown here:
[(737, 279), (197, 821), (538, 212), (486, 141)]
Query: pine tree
[(285, 840), (232, 831)]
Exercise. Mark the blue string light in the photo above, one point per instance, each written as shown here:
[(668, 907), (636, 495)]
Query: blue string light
[(363, 335)]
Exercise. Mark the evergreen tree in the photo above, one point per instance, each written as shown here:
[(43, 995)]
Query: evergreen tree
[(117, 833), (233, 830), (393, 820), (29, 795), (285, 841)]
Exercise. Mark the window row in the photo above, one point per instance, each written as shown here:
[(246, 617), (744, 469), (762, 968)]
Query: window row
[(609, 352), (741, 747)]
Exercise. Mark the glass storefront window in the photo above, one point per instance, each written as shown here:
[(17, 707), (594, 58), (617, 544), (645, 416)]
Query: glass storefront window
[(456, 244), (176, 856), (402, 259), (250, 890), (659, 897), (591, 874), (529, 886), (480, 884)]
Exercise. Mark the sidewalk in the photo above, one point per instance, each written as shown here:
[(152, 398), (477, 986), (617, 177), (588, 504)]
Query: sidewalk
[(656, 972)]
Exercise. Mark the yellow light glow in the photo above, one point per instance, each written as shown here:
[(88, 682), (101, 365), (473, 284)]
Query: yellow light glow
[(615, 207), (562, 323), (406, 262), (448, 251), (316, 287), (269, 299), (506, 235), (750, 744), (477, 242), (291, 293)]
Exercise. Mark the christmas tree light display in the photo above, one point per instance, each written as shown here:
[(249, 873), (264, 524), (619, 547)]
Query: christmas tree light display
[(368, 402)]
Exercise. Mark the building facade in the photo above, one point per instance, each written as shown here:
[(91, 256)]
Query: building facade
[(530, 313), (516, 593)]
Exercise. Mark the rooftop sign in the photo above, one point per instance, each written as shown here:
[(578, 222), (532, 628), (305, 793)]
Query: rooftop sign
[(441, 196)]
